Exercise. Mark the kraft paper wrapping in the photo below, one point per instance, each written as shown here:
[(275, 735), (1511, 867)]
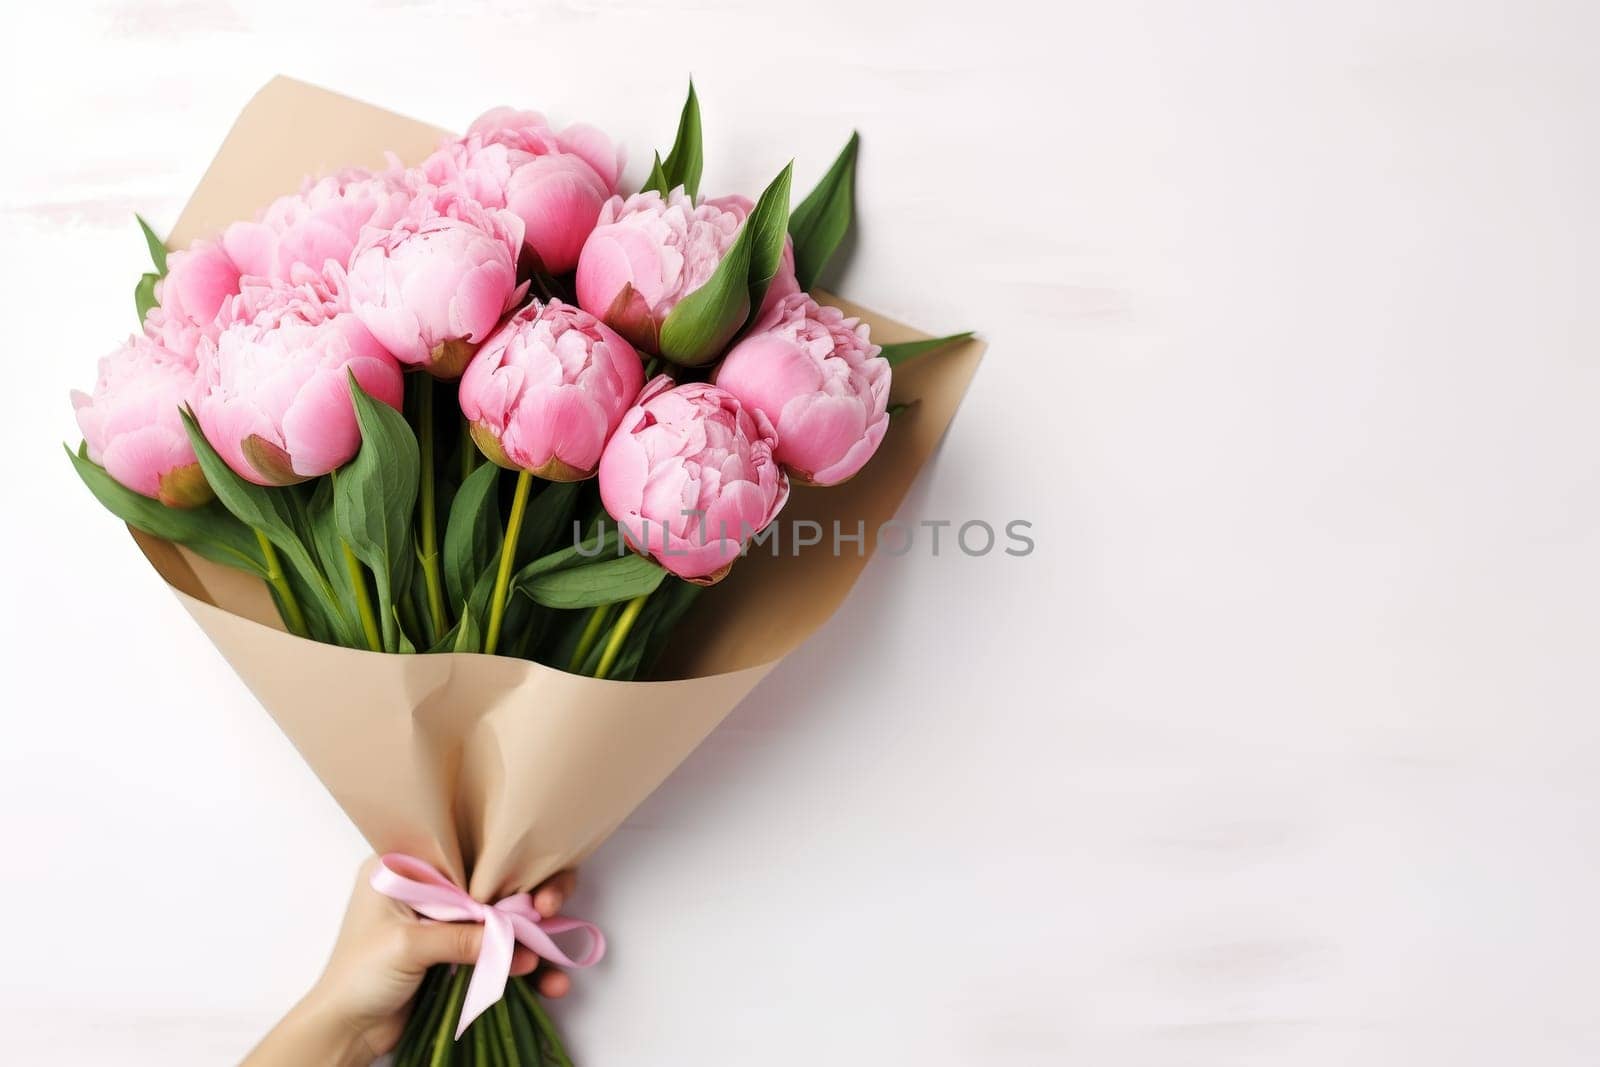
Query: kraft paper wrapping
[(501, 771)]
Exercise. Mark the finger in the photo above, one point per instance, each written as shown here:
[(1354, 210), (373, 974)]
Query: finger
[(427, 944), (553, 983), (548, 898), (524, 961)]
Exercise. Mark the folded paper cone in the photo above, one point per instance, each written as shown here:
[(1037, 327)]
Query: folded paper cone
[(502, 771)]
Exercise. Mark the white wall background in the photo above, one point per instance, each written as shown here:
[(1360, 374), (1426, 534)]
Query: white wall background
[(1283, 748)]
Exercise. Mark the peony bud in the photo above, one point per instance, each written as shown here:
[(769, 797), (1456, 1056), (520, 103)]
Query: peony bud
[(649, 252), (821, 382), (275, 385), (555, 183), (132, 424), (322, 222), (545, 392), (689, 477), (433, 287)]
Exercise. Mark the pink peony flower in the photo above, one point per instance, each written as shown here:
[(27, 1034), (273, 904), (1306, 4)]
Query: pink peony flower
[(433, 287), (648, 252), (199, 280), (821, 382), (274, 386), (554, 182), (547, 390), (529, 131), (689, 477), (132, 425), (321, 222)]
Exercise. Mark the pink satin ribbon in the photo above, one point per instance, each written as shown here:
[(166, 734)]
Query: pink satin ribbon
[(506, 923)]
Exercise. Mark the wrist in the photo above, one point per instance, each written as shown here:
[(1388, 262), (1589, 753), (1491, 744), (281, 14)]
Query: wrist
[(314, 1031)]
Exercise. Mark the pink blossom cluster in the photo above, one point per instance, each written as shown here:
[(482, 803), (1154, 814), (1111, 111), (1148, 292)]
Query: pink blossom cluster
[(366, 275)]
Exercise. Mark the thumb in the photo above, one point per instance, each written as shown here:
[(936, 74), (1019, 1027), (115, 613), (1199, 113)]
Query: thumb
[(430, 943)]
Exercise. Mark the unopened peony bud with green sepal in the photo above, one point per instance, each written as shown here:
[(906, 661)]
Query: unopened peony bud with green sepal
[(680, 279)]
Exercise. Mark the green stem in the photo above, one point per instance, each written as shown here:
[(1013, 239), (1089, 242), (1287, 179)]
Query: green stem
[(619, 634), (547, 1029), (424, 1017), (293, 617), (358, 579), (478, 1051), (430, 521), (500, 1016), (508, 557), (522, 1027), (444, 1037), (586, 640)]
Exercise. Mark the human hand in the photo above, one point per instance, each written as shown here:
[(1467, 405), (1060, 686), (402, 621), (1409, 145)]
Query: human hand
[(358, 1008)]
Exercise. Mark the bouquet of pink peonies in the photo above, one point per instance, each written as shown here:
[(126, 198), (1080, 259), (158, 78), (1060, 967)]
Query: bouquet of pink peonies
[(489, 406)]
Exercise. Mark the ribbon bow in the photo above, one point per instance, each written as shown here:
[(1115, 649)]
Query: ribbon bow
[(506, 923)]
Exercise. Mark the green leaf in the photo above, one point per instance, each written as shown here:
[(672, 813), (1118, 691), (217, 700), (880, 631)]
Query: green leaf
[(591, 550), (210, 530), (906, 351), (548, 514), (403, 643), (373, 497), (144, 294), (768, 223), (657, 180), (469, 638), (467, 634), (698, 329), (821, 220), (323, 533), (275, 512), (472, 535), (687, 158), (411, 605), (158, 250), (595, 583)]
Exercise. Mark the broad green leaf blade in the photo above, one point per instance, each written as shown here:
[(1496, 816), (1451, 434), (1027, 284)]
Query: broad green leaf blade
[(687, 159), (699, 328), (548, 514), (323, 535), (596, 583), (906, 351), (769, 224), (821, 220), (373, 498), (210, 530), (472, 535), (144, 295), (411, 605), (158, 250), (657, 180), (321, 625), (592, 550), (273, 512)]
